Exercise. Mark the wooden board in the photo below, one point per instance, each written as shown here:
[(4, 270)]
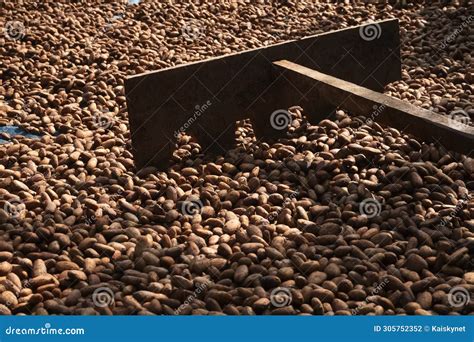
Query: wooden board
[(207, 98), (422, 123)]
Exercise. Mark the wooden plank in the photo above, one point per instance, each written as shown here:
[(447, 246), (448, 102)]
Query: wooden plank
[(424, 124), (245, 85)]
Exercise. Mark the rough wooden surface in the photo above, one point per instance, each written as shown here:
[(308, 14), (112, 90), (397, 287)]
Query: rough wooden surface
[(424, 124), (245, 85)]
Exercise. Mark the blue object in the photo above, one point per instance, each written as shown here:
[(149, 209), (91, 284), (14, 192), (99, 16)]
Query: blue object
[(239, 328), (16, 130)]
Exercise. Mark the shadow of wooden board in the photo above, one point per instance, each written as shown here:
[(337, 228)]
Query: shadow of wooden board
[(206, 98), (424, 124)]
